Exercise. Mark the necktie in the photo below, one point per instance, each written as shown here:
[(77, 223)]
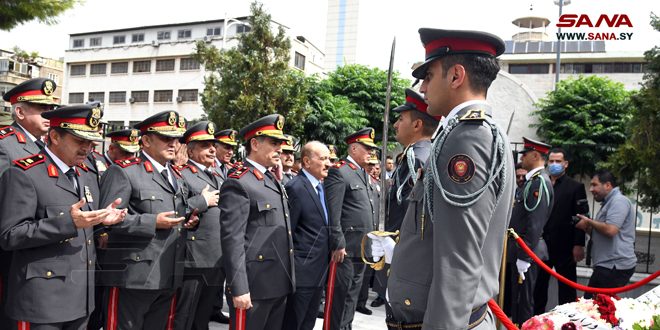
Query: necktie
[(209, 173), (71, 174), (271, 176), (39, 143), (319, 188), (167, 179)]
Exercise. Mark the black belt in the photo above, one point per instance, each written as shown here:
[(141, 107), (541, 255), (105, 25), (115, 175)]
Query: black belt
[(476, 317)]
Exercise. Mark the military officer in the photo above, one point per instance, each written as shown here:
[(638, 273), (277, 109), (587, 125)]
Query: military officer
[(202, 276), (288, 159), (21, 139), (51, 278), (224, 151), (256, 233), (459, 207), (350, 199), (530, 214), (143, 264), (124, 144)]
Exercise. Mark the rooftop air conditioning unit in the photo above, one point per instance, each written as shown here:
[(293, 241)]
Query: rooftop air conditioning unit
[(155, 43), (179, 99), (131, 100), (207, 38)]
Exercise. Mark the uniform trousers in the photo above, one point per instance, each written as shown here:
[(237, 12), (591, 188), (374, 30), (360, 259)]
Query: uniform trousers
[(520, 297), (265, 314), (77, 324), (195, 298), (131, 309), (302, 308), (348, 283), (5, 263)]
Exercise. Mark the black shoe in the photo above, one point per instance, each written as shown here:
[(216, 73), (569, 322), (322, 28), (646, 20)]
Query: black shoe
[(220, 317), (364, 310), (378, 302)]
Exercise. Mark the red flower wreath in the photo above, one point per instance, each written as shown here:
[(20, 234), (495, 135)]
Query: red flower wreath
[(606, 308)]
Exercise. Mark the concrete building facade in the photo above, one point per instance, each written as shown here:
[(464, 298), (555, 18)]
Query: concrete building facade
[(14, 71)]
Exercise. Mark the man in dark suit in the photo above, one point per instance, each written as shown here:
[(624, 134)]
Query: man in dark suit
[(309, 224), (21, 139), (51, 278), (530, 213), (351, 199), (143, 264), (565, 242), (202, 277), (256, 234)]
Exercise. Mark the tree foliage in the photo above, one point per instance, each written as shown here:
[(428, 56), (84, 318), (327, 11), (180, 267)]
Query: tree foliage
[(367, 88), (14, 12), (638, 159), (253, 79), (587, 116), (23, 56)]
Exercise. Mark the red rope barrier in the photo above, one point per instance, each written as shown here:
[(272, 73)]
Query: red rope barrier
[(499, 313), (578, 286)]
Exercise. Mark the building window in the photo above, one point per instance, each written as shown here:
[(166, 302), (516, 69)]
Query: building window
[(78, 43), (119, 67), (137, 37), (163, 35), (78, 70), (76, 98), (97, 96), (95, 42), (163, 96), (214, 31), (184, 34), (142, 66), (529, 68), (97, 69), (299, 61), (187, 95), (139, 96), (243, 28), (54, 77), (188, 64), (117, 97), (164, 65), (118, 40)]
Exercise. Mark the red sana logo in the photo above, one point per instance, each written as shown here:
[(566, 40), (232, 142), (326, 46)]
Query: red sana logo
[(583, 20)]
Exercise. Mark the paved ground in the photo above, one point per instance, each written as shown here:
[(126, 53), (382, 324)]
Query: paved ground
[(375, 321)]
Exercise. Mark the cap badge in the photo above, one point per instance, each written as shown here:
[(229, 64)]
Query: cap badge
[(372, 134), (95, 118), (171, 119), (47, 87), (134, 136), (210, 128), (280, 123), (182, 122), (232, 136)]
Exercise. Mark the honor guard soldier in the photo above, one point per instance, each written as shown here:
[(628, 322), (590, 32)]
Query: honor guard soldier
[(530, 214), (224, 151), (51, 278), (350, 198), (414, 128), (256, 233), (20, 139), (202, 276), (143, 264), (288, 158), (460, 205)]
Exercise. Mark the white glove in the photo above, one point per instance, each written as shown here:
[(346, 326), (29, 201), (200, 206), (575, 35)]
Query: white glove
[(522, 266), (382, 246)]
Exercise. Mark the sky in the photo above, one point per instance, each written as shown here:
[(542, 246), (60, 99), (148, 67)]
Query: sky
[(380, 21)]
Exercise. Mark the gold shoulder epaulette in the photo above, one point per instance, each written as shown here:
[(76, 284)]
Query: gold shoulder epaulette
[(128, 162), (30, 161), (474, 115)]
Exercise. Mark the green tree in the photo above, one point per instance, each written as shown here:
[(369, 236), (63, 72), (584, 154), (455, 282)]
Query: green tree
[(253, 79), (586, 116), (14, 12), (330, 117), (23, 56), (637, 160), (367, 88)]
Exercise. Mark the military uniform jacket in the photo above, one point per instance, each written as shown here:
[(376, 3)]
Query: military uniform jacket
[(256, 235), (395, 210), (203, 242), (529, 221), (14, 144), (139, 256), (447, 263), (51, 278), (350, 201)]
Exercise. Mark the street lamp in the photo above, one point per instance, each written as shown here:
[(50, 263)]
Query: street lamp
[(561, 4), (228, 22)]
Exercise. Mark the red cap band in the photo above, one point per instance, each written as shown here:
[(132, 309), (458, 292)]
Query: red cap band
[(55, 122), (14, 98), (356, 138), (458, 45), (254, 132)]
